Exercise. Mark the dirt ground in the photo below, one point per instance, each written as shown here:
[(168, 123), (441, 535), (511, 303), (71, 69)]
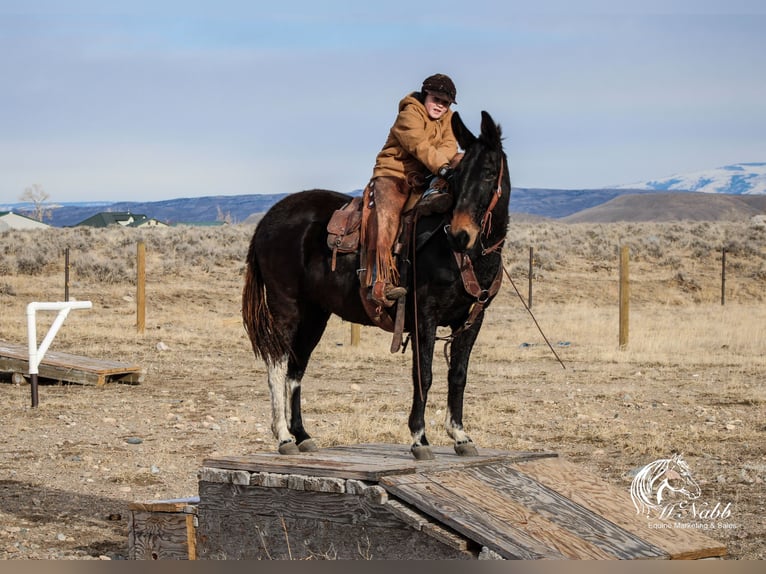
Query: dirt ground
[(70, 467)]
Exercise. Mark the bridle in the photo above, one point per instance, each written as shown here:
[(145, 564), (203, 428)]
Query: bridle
[(486, 220), (465, 265)]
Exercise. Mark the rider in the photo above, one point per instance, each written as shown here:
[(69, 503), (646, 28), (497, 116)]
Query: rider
[(420, 144)]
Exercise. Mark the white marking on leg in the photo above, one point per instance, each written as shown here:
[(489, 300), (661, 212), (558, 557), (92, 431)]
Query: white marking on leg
[(454, 431), (290, 386), (417, 437), (280, 404)]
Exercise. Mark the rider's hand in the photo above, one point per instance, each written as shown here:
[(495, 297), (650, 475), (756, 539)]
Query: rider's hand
[(445, 171)]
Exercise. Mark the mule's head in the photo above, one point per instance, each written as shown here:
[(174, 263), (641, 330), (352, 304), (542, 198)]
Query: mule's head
[(481, 185)]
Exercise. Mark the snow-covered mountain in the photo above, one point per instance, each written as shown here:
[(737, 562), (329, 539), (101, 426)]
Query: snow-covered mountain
[(735, 179)]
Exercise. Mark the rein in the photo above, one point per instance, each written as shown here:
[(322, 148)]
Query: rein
[(486, 220)]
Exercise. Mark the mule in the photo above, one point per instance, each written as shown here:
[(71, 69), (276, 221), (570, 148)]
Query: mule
[(290, 291)]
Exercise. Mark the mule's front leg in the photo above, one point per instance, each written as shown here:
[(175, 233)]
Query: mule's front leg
[(422, 359), (458, 374)]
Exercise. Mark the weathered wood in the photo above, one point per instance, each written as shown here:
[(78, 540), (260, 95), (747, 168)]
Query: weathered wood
[(425, 492), (354, 466), (560, 510), (377, 501), (329, 506), (602, 498), (256, 537), (361, 462), (237, 522), (185, 505), (487, 497), (162, 530), (68, 368)]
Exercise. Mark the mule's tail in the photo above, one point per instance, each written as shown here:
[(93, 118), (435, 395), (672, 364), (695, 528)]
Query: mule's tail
[(268, 343)]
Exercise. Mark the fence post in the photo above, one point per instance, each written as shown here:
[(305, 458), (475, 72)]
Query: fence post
[(723, 276), (624, 296), (141, 287), (66, 274), (531, 263), (355, 334)]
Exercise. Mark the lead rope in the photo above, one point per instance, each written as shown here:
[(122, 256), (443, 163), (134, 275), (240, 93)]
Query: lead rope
[(533, 318), (449, 338)]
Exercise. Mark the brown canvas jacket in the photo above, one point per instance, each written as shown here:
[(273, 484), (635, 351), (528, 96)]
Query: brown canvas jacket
[(416, 143)]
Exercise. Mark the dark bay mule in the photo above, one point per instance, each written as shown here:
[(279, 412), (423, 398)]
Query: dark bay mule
[(290, 290)]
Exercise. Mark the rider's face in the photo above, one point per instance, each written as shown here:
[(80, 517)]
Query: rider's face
[(435, 106)]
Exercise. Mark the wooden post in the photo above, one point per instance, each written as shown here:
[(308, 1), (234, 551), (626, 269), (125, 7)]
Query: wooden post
[(723, 276), (66, 274), (356, 331), (624, 296), (531, 263), (141, 287)]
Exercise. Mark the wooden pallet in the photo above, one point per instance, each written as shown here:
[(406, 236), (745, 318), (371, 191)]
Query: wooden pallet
[(68, 368), (511, 505)]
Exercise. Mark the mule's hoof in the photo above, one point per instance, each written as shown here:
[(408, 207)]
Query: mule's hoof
[(289, 448), (466, 449), (308, 445), (422, 452)]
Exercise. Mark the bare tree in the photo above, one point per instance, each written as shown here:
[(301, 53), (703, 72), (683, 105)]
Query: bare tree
[(223, 217), (38, 197)]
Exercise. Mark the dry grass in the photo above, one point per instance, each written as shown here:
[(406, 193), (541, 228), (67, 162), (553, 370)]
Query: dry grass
[(691, 379)]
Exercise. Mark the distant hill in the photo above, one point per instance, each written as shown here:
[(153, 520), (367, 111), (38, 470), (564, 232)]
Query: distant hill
[(547, 203), (671, 198), (672, 206), (592, 205), (235, 208)]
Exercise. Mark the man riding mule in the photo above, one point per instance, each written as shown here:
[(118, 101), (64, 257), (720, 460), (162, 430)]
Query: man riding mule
[(420, 145)]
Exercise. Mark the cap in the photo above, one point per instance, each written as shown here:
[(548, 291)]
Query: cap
[(440, 86)]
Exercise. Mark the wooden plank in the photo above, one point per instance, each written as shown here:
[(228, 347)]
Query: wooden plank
[(602, 498), (360, 462), (70, 368), (313, 464), (486, 526), (590, 526), (483, 496), (446, 457), (187, 505)]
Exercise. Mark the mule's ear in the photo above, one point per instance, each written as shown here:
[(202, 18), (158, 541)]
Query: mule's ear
[(490, 131), (464, 136)]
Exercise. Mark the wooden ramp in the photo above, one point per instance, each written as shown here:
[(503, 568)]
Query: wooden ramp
[(68, 368), (511, 505)]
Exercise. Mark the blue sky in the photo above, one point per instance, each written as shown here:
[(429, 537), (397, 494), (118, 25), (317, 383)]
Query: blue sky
[(150, 100)]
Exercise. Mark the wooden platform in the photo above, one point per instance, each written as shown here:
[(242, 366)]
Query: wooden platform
[(509, 505), (68, 368)]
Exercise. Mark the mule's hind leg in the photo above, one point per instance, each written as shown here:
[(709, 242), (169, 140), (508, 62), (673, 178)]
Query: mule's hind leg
[(280, 406), (308, 334)]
